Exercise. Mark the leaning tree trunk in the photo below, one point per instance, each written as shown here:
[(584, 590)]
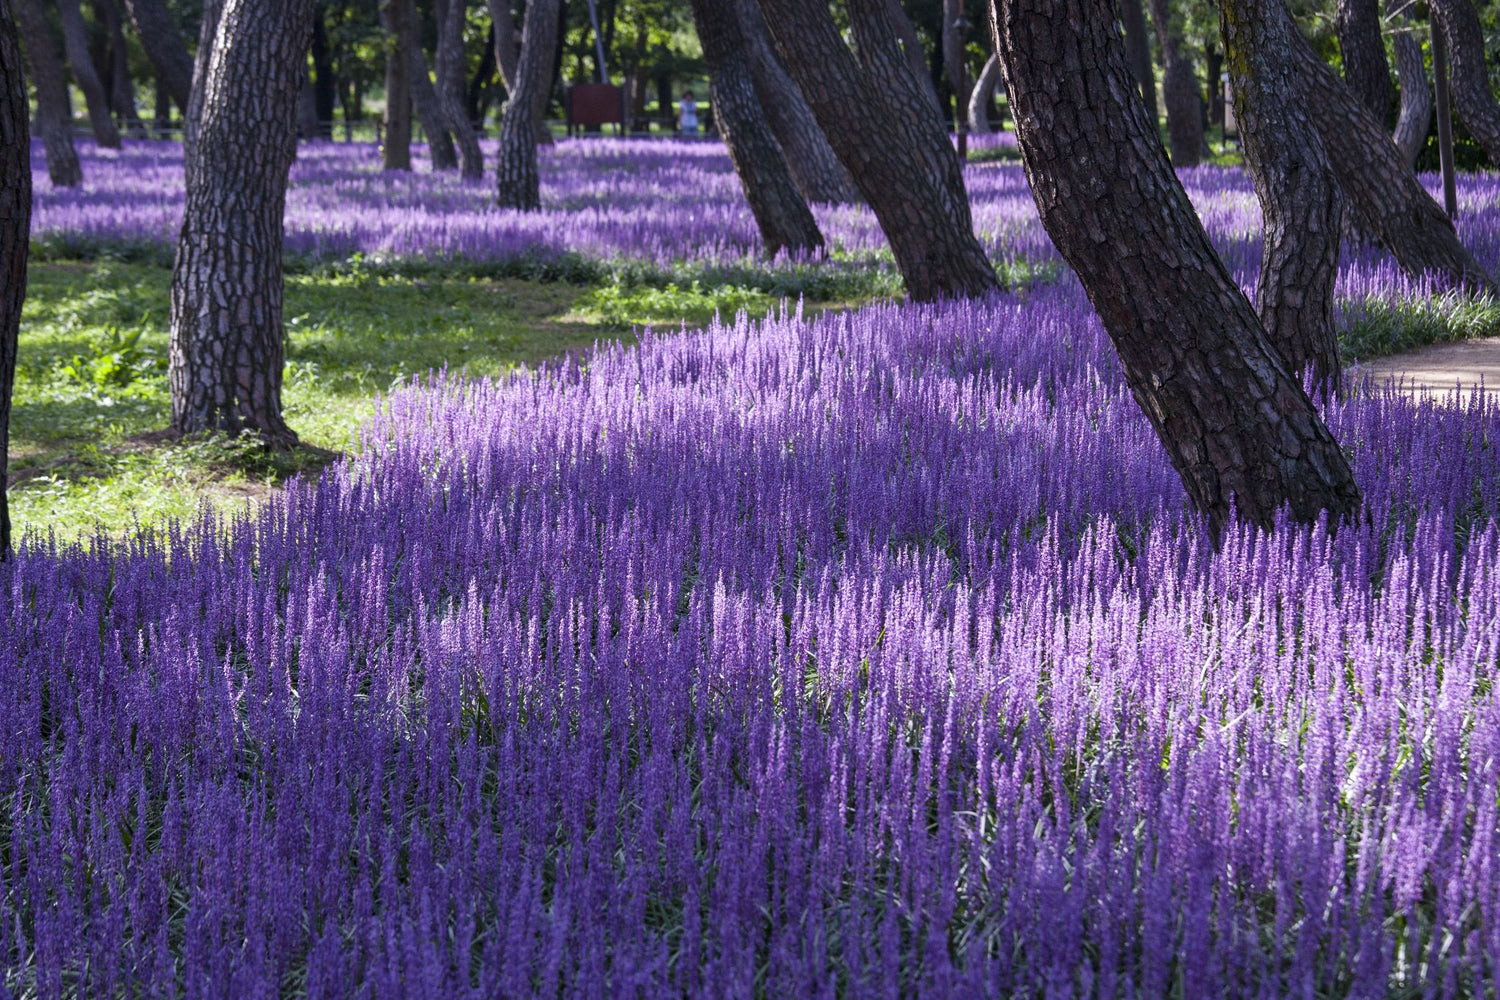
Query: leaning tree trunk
[(76, 45), (955, 64), (208, 33), (897, 150), (911, 48), (429, 110), (1365, 69), (395, 153), (1473, 99), (815, 167), (54, 114), (1415, 117), (225, 353), (451, 85), (1234, 420), (982, 98), (121, 87), (517, 182), (1299, 198), (1138, 51), (164, 47), (1377, 180), (1179, 88), (508, 57), (784, 219), (15, 231)]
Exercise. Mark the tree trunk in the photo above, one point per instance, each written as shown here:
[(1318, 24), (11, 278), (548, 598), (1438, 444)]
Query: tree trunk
[(1299, 198), (395, 153), (121, 87), (1138, 51), (518, 185), (208, 31), (954, 63), (783, 217), (982, 99), (1179, 88), (323, 76), (1365, 69), (476, 97), (76, 45), (308, 126), (1473, 99), (225, 354), (815, 168), (910, 46), (1415, 117), (1374, 175), (1234, 420), (451, 74), (897, 151), (164, 47), (508, 56), (429, 110), (54, 114), (15, 232), (162, 114)]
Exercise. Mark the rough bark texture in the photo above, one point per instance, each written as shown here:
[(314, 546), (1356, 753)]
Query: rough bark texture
[(15, 231), (1365, 68), (1390, 203), (982, 98), (911, 49), (424, 100), (1415, 117), (1179, 88), (451, 85), (395, 151), (815, 167), (896, 150), (225, 353), (164, 47), (517, 183), (782, 215), (54, 114), (81, 62), (1138, 51), (1299, 198), (1473, 99), (1235, 421), (208, 31), (121, 88), (508, 57)]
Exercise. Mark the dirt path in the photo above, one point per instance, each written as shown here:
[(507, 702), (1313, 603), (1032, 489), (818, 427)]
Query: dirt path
[(1441, 367)]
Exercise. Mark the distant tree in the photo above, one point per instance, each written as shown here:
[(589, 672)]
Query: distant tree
[(1138, 50), (1415, 117), (1473, 100), (164, 47), (15, 231), (429, 109), (518, 183), (1233, 417), (225, 353), (1179, 86), (1365, 68), (81, 62), (982, 99), (54, 113), (395, 150), (451, 85), (508, 57), (121, 87)]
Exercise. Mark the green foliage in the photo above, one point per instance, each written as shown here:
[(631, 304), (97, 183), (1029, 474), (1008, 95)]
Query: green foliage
[(640, 305), (1382, 327)]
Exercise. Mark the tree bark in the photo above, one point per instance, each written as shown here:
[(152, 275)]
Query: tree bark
[(1415, 117), (308, 126), (1473, 99), (164, 47), (897, 150), (1299, 198), (121, 88), (324, 89), (784, 219), (225, 352), (1234, 420), (815, 167), (1389, 201), (208, 30), (395, 152), (15, 232), (76, 45), (982, 99), (911, 49), (508, 56), (429, 109), (1179, 88), (954, 63), (451, 84), (54, 114), (1365, 68), (1138, 51), (518, 184)]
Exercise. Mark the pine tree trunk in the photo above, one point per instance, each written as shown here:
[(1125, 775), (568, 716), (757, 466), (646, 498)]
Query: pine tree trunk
[(1473, 100), (1415, 117), (450, 86), (54, 114), (910, 45), (208, 31), (324, 89), (225, 353), (1138, 51), (164, 47), (1234, 420), (1377, 180), (308, 127), (15, 231), (517, 182), (1365, 69), (395, 152), (121, 87), (815, 168), (1179, 88), (508, 56), (1299, 198), (783, 217), (897, 151), (76, 45), (982, 98), (424, 100)]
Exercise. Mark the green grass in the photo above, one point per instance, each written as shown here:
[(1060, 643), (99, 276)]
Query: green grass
[(1381, 327)]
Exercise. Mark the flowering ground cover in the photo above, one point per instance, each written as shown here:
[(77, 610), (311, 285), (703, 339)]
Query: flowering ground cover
[(872, 655)]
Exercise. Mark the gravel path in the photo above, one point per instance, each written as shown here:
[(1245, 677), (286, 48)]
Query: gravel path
[(1442, 367)]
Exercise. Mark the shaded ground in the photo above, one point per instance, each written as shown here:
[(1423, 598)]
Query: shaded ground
[(1440, 368)]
